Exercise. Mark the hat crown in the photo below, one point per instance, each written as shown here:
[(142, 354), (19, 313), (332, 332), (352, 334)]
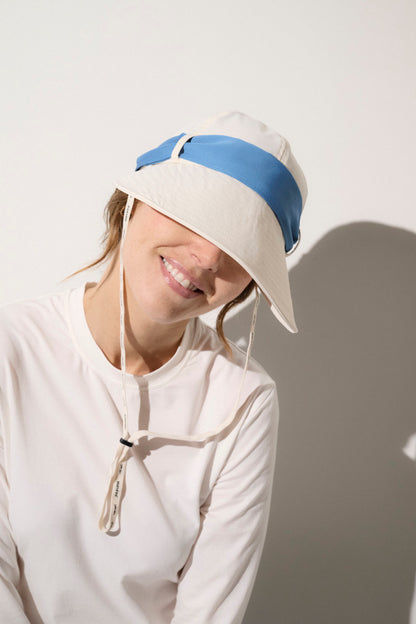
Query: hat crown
[(241, 126)]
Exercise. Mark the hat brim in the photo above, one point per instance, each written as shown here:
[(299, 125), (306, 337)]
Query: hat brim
[(227, 213)]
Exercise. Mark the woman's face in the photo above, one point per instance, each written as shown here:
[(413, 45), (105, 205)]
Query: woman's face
[(173, 274)]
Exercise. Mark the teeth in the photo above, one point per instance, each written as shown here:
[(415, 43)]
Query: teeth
[(179, 277)]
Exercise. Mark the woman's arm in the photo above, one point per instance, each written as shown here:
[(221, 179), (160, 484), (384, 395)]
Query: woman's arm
[(216, 582), (11, 606)]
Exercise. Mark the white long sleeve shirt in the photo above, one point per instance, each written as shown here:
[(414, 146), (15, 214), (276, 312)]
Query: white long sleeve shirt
[(193, 515)]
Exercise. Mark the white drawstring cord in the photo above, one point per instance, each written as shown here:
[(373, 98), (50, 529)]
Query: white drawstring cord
[(126, 218), (111, 509)]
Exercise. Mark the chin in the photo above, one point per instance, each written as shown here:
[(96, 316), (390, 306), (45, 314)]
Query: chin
[(164, 313)]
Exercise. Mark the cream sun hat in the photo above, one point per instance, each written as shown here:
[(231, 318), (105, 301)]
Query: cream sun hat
[(234, 181)]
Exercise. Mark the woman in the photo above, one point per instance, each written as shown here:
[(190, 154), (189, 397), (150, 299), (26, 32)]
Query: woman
[(127, 366)]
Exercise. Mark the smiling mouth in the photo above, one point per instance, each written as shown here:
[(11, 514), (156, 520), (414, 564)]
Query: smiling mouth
[(179, 277)]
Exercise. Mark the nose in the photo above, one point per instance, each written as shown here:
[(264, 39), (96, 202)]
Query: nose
[(205, 254)]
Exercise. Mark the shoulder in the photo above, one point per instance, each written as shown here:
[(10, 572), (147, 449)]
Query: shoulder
[(27, 323), (231, 364), (30, 312), (227, 389)]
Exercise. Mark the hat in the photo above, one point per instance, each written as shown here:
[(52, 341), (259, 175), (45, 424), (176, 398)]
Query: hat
[(234, 181)]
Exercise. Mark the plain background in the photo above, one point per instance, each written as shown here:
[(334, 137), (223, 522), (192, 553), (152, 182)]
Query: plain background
[(89, 85)]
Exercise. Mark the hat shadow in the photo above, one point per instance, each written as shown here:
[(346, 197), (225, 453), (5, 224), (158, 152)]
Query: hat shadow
[(341, 543)]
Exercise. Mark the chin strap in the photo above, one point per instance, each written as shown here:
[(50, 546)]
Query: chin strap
[(112, 500), (110, 514)]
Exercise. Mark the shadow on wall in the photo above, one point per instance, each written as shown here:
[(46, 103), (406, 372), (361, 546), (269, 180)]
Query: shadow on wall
[(341, 544)]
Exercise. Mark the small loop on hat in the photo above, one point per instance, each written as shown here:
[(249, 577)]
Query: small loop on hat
[(295, 246), (179, 145)]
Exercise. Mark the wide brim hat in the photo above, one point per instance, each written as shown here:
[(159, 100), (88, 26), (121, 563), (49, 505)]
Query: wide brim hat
[(234, 181)]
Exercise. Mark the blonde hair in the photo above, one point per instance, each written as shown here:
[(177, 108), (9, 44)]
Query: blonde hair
[(113, 214)]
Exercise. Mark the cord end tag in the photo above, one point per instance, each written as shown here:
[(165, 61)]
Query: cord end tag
[(110, 513)]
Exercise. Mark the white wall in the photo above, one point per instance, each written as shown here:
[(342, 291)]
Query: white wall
[(89, 85)]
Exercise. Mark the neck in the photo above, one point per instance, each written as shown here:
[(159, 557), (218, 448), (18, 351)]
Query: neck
[(148, 344)]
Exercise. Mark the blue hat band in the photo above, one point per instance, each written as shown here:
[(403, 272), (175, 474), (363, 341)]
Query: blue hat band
[(247, 163)]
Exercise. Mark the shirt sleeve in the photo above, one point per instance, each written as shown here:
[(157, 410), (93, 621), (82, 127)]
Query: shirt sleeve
[(11, 606), (217, 580)]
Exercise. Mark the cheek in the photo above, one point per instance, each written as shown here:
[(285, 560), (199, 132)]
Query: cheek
[(140, 267), (243, 282), (235, 287), (241, 277)]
